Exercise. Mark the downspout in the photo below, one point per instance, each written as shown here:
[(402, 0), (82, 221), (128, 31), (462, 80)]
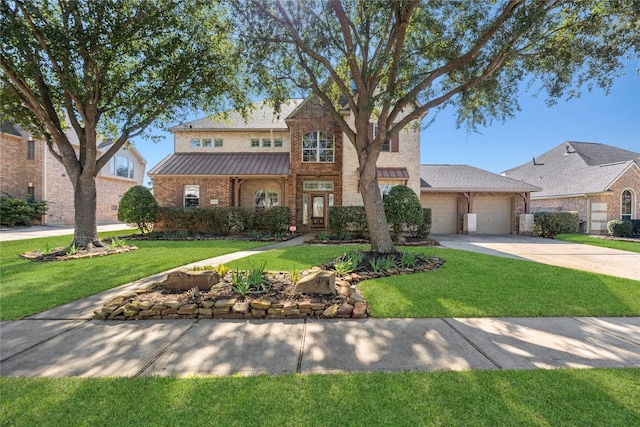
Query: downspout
[(588, 223), (45, 151)]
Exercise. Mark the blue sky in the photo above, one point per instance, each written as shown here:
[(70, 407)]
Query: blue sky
[(612, 119)]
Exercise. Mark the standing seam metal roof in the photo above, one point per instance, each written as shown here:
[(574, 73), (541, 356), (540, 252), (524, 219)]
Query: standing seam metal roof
[(223, 164)]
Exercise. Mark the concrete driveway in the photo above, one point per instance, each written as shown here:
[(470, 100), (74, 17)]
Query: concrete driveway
[(595, 259)]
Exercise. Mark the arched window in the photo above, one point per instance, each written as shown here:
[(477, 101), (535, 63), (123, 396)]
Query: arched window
[(318, 146), (626, 208), (266, 198)]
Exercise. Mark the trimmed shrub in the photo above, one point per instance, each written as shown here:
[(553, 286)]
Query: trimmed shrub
[(138, 207), (424, 229), (635, 227), (403, 209), (619, 227), (346, 219), (14, 211), (549, 224), (278, 219)]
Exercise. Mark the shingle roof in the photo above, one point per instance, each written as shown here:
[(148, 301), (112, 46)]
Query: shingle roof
[(575, 168), (263, 117), (223, 164), (468, 178)]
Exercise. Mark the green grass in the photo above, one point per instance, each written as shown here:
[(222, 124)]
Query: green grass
[(592, 397), (605, 243), (477, 285), (29, 287), (292, 258)]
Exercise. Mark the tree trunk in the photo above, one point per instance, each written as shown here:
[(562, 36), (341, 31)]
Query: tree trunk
[(86, 230), (374, 210)]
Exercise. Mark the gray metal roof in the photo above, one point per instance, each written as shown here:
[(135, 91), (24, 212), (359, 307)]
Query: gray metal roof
[(575, 168), (435, 178), (228, 164), (391, 173), (262, 117)]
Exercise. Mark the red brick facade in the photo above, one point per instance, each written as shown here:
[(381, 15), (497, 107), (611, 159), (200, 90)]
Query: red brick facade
[(169, 190)]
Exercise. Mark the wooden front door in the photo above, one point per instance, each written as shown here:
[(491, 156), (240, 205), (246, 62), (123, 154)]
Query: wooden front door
[(318, 210)]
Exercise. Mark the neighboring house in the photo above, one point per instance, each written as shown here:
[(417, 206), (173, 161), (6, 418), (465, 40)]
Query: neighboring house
[(453, 191), (302, 160), (600, 182), (27, 169)]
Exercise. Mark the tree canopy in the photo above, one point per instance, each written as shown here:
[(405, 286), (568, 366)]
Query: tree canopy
[(395, 62), (75, 70)]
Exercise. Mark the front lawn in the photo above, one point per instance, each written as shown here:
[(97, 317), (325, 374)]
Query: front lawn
[(29, 287), (577, 397), (605, 243), (477, 285)]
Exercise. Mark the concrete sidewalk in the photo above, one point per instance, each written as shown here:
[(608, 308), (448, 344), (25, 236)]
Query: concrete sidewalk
[(57, 348), (51, 230)]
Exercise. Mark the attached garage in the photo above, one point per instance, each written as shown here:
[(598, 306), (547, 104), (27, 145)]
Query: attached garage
[(453, 191), (444, 213), (493, 214)]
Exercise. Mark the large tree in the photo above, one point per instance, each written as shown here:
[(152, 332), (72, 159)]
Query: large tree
[(110, 68), (395, 61)]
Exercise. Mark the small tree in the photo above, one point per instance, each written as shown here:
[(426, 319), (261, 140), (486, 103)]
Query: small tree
[(403, 209), (138, 207)]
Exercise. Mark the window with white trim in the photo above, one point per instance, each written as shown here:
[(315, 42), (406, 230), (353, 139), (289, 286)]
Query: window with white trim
[(206, 143), (266, 198), (277, 143), (386, 146), (121, 166), (318, 146), (217, 142), (626, 208), (266, 142), (191, 196), (195, 143), (255, 143)]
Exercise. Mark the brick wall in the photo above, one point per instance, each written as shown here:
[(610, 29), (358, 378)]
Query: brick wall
[(17, 171), (237, 141), (169, 190)]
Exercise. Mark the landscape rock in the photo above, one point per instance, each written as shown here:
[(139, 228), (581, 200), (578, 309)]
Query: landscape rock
[(322, 282), (185, 280)]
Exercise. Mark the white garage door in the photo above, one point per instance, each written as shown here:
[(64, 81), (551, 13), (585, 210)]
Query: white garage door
[(444, 214), (493, 215)]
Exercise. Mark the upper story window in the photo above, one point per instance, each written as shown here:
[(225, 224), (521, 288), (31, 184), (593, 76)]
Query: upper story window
[(255, 143), (121, 166), (266, 142), (195, 143), (217, 142), (191, 196), (277, 143), (627, 204), (266, 198), (31, 149), (206, 143), (318, 146), (386, 146)]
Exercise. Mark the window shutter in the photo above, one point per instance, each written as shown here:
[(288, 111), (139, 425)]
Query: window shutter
[(395, 142)]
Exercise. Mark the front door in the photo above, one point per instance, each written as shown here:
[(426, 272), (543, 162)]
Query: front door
[(318, 211)]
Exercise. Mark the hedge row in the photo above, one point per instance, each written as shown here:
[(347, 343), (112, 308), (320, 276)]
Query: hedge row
[(223, 220), (549, 224), (623, 227), (14, 211), (352, 219)]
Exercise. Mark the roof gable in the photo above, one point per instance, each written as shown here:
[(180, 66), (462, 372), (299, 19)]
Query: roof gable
[(468, 178), (575, 168)]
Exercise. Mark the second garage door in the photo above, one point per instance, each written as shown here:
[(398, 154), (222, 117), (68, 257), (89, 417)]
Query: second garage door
[(444, 214), (493, 215)]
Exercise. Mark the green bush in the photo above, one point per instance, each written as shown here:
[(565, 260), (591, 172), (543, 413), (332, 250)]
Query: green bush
[(138, 207), (403, 209), (424, 229), (344, 219), (635, 227), (619, 227), (14, 211), (278, 219), (549, 224)]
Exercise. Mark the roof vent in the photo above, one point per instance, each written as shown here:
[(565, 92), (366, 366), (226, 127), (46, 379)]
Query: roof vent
[(568, 148), (537, 164)]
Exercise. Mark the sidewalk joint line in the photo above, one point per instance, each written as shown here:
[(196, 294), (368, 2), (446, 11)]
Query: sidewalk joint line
[(44, 340), (464, 337), (301, 352), (164, 350)]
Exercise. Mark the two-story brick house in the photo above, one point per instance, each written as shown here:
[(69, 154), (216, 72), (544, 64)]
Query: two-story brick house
[(299, 159), (27, 169)]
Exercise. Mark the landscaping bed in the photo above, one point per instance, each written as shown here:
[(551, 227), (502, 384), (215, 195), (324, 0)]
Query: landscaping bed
[(276, 298), (64, 254)]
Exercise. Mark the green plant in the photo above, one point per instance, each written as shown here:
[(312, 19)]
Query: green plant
[(323, 235), (72, 250), (254, 235), (240, 282), (356, 256), (221, 269), (117, 242), (47, 248), (295, 276), (424, 229), (408, 260), (548, 224), (635, 224), (388, 262), (138, 207), (277, 219), (619, 228), (403, 209), (376, 264), (256, 277), (15, 211), (202, 268), (344, 266)]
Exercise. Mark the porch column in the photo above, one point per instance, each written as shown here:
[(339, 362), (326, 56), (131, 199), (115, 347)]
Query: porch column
[(236, 191)]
